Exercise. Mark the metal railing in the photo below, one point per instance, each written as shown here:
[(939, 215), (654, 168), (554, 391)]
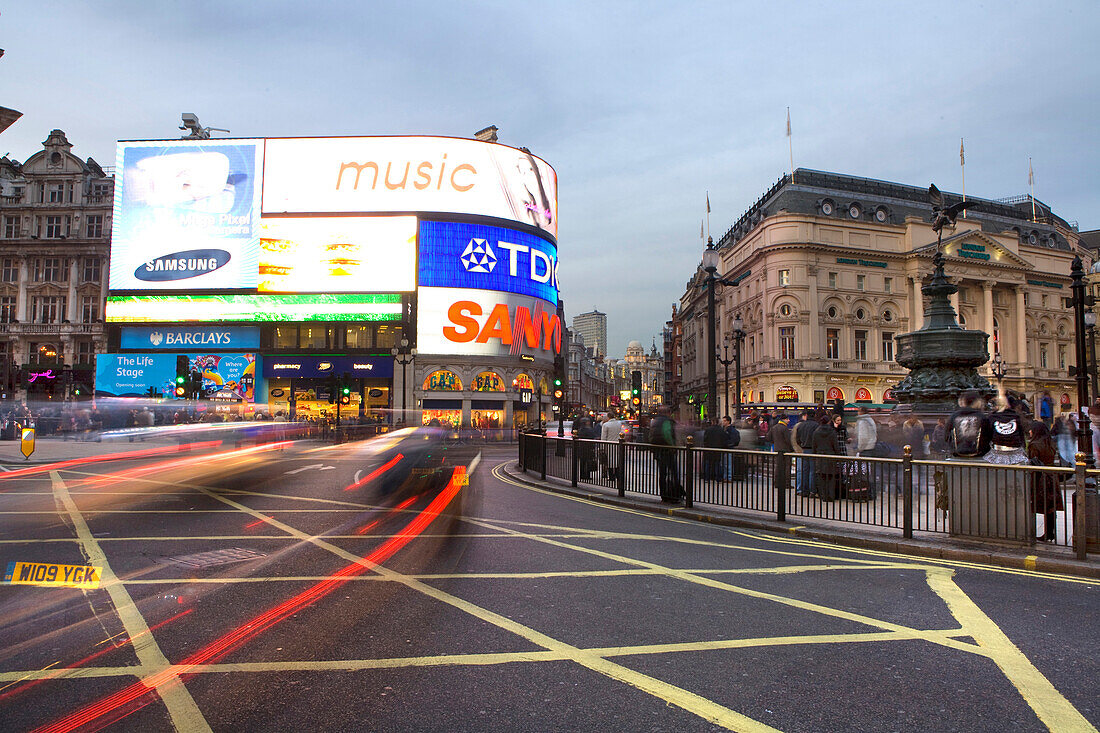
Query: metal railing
[(1016, 504)]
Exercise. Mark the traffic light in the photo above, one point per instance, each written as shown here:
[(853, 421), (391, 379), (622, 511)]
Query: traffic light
[(345, 394), (558, 391), (183, 369), (636, 385)]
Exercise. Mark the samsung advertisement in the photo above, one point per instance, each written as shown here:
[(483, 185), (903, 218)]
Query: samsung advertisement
[(185, 215), (479, 257)]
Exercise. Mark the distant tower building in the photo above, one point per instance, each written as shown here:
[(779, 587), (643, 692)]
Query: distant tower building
[(592, 327)]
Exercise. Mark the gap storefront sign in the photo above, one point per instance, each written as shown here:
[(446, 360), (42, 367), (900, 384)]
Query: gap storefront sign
[(169, 337), (480, 257), (323, 367)]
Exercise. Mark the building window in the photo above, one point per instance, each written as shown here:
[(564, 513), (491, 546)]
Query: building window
[(832, 311), (860, 314), (49, 270), (95, 225), (387, 336), (785, 310), (861, 282), (887, 346), (11, 227), (1061, 356), (313, 337), (85, 352), (447, 381), (43, 354), (784, 277), (89, 309), (488, 382), (1043, 356), (832, 343), (832, 279), (57, 193), (357, 337), (1043, 300), (91, 270), (786, 342), (53, 227), (888, 284), (861, 345), (7, 309), (286, 337), (887, 315), (48, 309), (10, 271)]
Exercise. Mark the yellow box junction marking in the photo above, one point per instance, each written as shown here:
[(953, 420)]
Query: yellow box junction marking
[(52, 576)]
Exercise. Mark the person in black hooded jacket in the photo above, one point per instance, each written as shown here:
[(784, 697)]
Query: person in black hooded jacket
[(826, 442)]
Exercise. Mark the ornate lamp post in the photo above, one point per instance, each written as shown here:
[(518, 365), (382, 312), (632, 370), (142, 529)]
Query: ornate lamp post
[(738, 336), (710, 265), (998, 368), (726, 360), (403, 355)]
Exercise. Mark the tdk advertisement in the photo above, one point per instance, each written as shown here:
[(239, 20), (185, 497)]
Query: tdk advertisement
[(482, 257)]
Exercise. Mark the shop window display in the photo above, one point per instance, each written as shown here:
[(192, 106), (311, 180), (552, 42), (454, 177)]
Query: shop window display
[(488, 382), (443, 381), (445, 418), (523, 381)]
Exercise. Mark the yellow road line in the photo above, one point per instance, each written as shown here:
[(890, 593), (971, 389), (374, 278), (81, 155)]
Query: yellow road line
[(1053, 709), (182, 710), (29, 675)]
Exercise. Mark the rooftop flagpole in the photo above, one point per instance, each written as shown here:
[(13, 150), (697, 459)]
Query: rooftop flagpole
[(708, 214), (1031, 185), (790, 144), (962, 164)]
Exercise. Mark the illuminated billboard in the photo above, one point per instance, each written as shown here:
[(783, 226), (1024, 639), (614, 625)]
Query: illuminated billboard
[(185, 215), (343, 254), (132, 375), (480, 257), (486, 323), (221, 308), (409, 174)]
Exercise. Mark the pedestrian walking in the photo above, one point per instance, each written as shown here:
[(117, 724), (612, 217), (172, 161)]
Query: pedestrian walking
[(825, 442), (779, 436), (1065, 437), (969, 430), (866, 433), (609, 432), (1046, 498), (733, 439), (662, 434), (803, 442), (714, 436)]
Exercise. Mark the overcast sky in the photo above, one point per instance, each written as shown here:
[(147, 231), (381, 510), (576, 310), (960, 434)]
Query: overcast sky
[(641, 107)]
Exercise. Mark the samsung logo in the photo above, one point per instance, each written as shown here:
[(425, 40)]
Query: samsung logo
[(182, 265)]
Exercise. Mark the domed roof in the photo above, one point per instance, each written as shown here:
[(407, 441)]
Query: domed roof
[(634, 345)]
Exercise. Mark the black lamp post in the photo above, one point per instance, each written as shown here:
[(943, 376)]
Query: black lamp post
[(1084, 436), (403, 355), (738, 336), (998, 368), (726, 360), (1090, 326), (710, 265)]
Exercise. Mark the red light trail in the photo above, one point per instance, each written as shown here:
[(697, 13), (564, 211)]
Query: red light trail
[(266, 620), (376, 472)]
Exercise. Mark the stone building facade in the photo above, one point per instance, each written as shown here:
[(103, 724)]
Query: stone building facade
[(826, 270), (55, 233)]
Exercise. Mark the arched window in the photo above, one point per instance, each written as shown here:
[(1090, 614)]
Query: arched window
[(523, 381), (488, 382), (443, 381), (996, 337)]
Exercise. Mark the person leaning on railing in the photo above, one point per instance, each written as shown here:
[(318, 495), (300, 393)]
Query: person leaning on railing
[(779, 435), (1046, 498)]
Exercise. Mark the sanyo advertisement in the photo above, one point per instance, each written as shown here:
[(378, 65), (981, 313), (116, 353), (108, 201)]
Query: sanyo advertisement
[(486, 323), (185, 215), (409, 174)]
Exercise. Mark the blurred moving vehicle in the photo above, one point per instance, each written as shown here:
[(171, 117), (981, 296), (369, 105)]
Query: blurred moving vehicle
[(556, 428)]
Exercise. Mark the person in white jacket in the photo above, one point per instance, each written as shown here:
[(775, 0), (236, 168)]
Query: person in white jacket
[(610, 428), (866, 433)]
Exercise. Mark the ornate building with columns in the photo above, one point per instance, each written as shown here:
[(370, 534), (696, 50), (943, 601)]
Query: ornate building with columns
[(827, 269), (55, 234)]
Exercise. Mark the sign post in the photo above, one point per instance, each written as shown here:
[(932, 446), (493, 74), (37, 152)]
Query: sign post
[(26, 441)]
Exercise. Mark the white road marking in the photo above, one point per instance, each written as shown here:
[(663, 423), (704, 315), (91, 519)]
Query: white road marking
[(357, 475), (327, 468), (304, 468)]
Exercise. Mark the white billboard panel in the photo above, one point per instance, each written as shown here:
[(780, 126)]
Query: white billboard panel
[(186, 215), (486, 323), (409, 174), (338, 254)]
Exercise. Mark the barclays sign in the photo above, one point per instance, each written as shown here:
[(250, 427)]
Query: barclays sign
[(206, 338), (480, 257)]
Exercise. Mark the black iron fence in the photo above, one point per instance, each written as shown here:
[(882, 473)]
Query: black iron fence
[(1020, 504)]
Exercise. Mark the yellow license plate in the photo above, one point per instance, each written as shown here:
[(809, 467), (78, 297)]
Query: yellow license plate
[(52, 576)]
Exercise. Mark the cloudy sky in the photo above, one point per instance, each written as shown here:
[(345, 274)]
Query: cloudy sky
[(642, 107)]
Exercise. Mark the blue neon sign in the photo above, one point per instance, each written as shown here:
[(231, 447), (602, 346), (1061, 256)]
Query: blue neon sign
[(480, 257)]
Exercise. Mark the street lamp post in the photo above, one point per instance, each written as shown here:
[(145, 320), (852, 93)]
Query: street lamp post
[(998, 368), (738, 337), (1090, 326), (403, 355), (726, 361), (710, 265), (1084, 437)]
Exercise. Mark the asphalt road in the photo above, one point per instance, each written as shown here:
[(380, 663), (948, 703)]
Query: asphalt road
[(307, 589)]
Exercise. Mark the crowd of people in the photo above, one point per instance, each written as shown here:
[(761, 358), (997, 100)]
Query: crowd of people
[(1000, 433)]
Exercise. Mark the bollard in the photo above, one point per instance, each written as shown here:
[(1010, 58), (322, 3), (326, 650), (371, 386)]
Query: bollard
[(544, 458), (1080, 511), (689, 473), (620, 476), (782, 478), (907, 492), (576, 457)]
